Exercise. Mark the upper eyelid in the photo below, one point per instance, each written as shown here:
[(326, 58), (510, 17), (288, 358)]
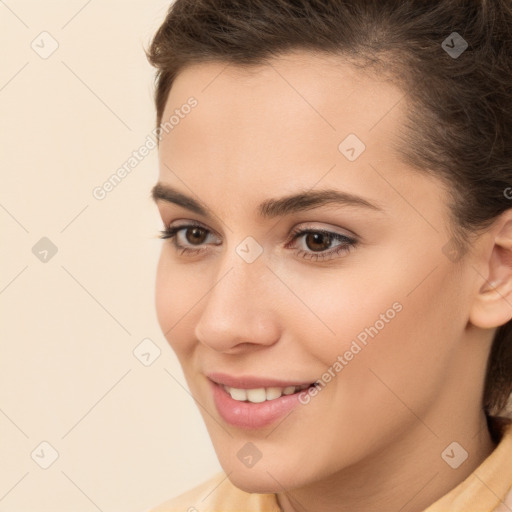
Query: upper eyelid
[(294, 233), (301, 229), (192, 224), (345, 242), (162, 206)]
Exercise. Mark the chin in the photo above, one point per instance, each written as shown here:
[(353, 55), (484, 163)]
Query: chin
[(259, 482), (270, 477)]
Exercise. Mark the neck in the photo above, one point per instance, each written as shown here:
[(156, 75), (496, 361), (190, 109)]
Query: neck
[(395, 479)]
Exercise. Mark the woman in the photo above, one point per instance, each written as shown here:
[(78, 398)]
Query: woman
[(336, 278)]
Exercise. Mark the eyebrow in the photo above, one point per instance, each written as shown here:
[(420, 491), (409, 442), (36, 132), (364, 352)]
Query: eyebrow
[(271, 208)]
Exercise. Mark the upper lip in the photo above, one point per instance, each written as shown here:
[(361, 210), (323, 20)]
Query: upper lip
[(252, 382)]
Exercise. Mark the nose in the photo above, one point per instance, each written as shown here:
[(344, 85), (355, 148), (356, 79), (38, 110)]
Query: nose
[(239, 311)]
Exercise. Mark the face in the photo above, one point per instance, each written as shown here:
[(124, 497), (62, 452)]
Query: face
[(258, 291)]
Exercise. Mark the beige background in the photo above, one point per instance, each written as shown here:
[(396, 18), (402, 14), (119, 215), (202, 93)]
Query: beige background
[(128, 436)]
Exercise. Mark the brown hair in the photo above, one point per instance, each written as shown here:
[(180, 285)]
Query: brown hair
[(459, 119)]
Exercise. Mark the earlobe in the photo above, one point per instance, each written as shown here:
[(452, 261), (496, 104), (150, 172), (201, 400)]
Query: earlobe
[(492, 304)]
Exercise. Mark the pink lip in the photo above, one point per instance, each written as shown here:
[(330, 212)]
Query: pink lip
[(247, 414), (250, 382)]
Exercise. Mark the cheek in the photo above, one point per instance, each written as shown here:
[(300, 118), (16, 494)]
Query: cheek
[(364, 323), (407, 359), (333, 308), (176, 292)]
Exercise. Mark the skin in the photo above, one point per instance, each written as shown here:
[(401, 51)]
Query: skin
[(372, 438)]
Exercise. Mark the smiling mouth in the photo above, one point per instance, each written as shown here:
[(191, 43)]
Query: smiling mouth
[(254, 402), (258, 395)]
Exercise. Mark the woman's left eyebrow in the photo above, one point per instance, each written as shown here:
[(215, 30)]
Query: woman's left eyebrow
[(271, 208)]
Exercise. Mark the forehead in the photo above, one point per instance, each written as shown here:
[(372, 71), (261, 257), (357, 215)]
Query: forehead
[(325, 90), (299, 107), (283, 125)]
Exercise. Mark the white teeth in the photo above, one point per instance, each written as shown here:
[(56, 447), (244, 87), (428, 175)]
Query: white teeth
[(273, 393), (238, 394), (256, 395), (259, 395)]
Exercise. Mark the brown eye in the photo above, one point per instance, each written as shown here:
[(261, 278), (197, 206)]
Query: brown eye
[(197, 235), (189, 239), (318, 241), (317, 244)]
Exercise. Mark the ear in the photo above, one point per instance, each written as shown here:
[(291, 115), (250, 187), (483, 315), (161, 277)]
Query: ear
[(492, 306)]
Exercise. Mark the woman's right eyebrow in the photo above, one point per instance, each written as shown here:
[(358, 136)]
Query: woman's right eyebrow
[(166, 193), (274, 207)]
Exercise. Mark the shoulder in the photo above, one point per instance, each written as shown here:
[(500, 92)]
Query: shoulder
[(218, 494), (506, 504)]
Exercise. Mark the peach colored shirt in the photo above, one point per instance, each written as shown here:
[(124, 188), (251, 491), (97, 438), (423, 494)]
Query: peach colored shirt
[(487, 489)]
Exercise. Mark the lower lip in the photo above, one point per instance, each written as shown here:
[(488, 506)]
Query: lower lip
[(249, 415)]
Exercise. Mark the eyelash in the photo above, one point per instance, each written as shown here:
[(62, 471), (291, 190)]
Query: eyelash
[(170, 233)]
